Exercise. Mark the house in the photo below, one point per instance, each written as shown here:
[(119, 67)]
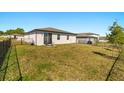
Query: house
[(103, 39), (87, 38), (49, 35), (13, 36)]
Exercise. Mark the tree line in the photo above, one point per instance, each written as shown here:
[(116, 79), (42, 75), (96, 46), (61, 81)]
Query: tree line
[(13, 31)]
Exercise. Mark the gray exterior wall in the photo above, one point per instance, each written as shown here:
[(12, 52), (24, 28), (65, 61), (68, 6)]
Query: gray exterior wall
[(85, 40), (38, 38), (63, 39)]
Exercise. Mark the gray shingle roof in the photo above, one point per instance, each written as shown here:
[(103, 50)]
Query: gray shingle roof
[(53, 30), (103, 38), (87, 34)]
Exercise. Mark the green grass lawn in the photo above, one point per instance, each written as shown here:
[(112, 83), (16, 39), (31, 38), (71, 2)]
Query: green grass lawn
[(60, 62)]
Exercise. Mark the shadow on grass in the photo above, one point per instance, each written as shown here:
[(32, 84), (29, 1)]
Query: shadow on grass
[(108, 49), (6, 67), (104, 55), (17, 60)]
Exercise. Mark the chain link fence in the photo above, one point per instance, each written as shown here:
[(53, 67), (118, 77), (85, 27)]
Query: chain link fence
[(4, 46), (116, 72)]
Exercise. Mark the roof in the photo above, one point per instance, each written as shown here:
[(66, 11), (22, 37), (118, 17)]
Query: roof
[(87, 35), (53, 30), (103, 38)]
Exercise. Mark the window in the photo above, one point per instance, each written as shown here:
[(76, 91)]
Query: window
[(58, 37), (67, 37)]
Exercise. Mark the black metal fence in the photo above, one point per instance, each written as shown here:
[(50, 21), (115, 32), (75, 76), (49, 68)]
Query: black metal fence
[(117, 69), (7, 51), (22, 42), (4, 47)]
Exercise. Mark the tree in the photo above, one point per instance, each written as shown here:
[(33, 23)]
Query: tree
[(1, 32), (19, 31), (15, 31), (9, 32), (116, 36)]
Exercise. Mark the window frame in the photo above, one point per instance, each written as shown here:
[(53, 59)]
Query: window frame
[(58, 36), (68, 37)]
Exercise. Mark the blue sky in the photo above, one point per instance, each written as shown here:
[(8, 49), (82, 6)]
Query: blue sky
[(77, 22)]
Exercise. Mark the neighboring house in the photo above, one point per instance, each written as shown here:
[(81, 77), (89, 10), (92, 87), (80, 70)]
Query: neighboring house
[(103, 39), (14, 36), (6, 36), (87, 38), (46, 36)]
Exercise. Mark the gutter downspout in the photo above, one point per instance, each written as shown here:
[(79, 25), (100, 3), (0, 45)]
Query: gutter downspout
[(36, 38)]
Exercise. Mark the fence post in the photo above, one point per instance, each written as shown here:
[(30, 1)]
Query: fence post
[(5, 45), (21, 41), (10, 42), (3, 48)]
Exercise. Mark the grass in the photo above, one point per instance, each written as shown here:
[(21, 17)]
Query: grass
[(61, 62)]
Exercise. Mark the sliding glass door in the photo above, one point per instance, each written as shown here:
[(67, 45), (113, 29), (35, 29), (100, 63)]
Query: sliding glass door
[(47, 38)]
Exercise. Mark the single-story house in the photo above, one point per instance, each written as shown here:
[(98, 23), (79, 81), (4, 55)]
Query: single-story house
[(87, 38), (49, 35), (14, 36), (103, 39)]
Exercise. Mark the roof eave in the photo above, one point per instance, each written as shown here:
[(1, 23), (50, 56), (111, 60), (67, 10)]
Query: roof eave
[(50, 31)]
